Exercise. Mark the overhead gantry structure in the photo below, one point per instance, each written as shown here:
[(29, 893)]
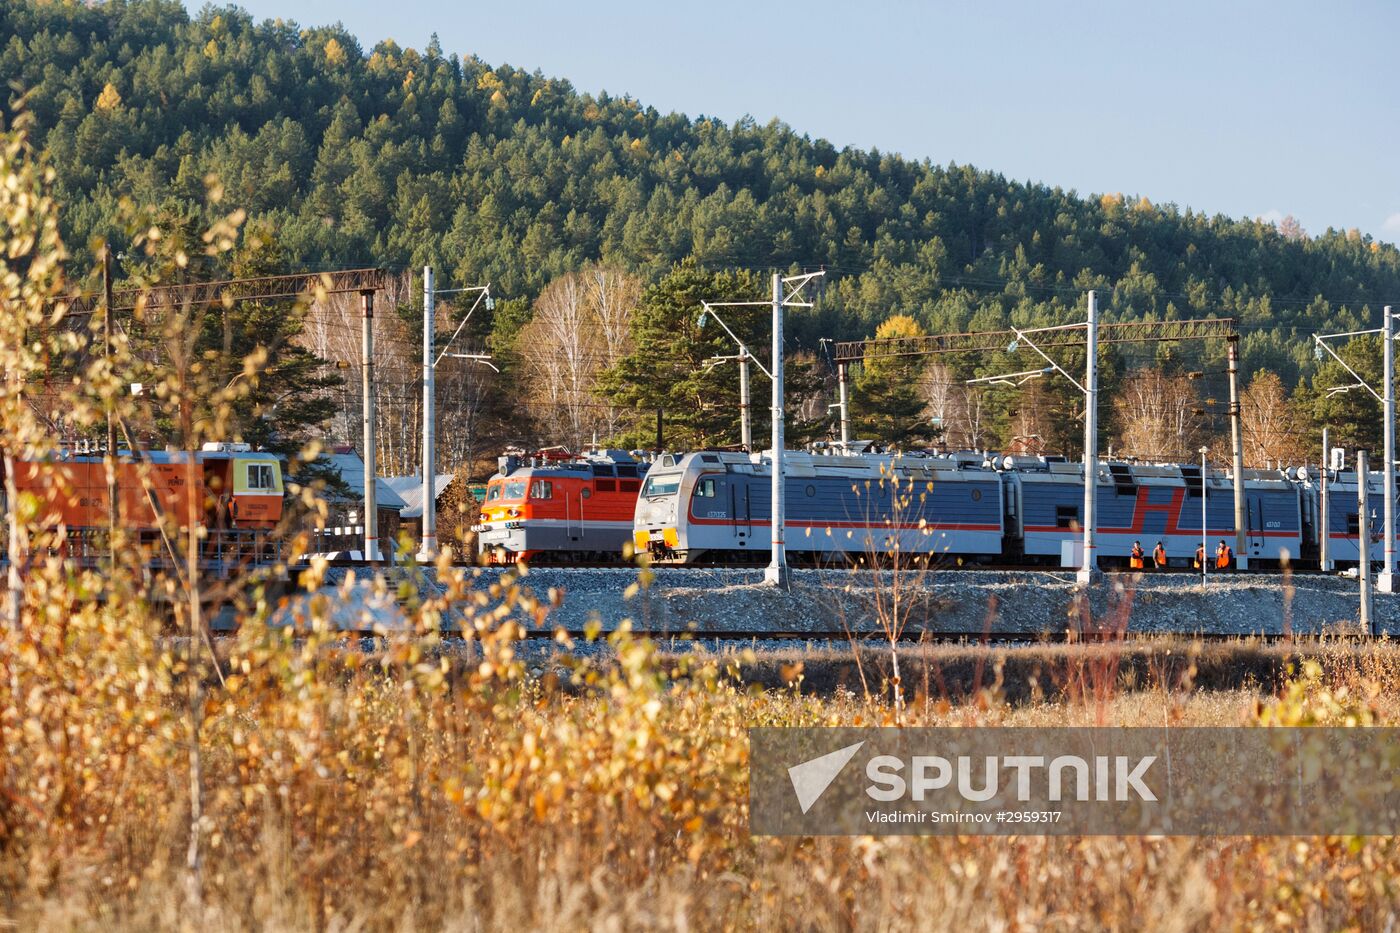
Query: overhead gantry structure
[(257, 288)]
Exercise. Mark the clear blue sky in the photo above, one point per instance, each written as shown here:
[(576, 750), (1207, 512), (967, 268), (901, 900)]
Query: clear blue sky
[(1244, 108)]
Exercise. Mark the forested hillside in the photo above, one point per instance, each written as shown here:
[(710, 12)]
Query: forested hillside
[(402, 157)]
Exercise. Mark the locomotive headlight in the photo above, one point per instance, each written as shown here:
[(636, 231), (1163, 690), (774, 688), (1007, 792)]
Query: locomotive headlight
[(513, 513)]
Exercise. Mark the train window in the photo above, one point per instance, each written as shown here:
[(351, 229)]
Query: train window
[(585, 493), (493, 492), (629, 485), (606, 485), (709, 458), (515, 490), (661, 485), (705, 489), (1353, 523), (626, 469), (603, 469), (260, 476), (542, 489), (1066, 516)]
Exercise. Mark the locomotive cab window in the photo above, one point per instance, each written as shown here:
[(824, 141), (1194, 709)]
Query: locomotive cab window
[(1066, 516), (260, 477), (1353, 523), (705, 489), (661, 485), (542, 489)]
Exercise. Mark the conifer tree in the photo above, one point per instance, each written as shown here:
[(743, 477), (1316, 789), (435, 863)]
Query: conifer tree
[(667, 369)]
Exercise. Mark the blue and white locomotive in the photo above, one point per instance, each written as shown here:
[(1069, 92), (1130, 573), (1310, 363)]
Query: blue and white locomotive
[(1147, 504), (714, 507), (1343, 516)]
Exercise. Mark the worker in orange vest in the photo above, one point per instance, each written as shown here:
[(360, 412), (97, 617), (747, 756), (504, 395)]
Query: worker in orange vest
[(1136, 561), (1200, 557), (1159, 556), (1223, 555)]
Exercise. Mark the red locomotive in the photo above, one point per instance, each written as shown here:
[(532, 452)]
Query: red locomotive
[(560, 505)]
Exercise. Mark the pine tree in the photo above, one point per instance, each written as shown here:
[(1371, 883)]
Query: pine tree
[(1353, 414), (667, 368), (288, 397)]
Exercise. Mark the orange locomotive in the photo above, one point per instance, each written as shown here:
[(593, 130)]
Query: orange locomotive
[(560, 506), (234, 488)]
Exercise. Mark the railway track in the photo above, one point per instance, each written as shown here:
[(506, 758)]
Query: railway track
[(968, 638), (971, 639), (935, 568)]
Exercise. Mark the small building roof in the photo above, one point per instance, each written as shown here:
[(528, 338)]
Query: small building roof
[(352, 471), (410, 490)]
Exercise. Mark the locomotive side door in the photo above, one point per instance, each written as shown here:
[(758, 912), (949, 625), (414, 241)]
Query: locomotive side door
[(739, 508), (572, 494), (1254, 523), (584, 493)]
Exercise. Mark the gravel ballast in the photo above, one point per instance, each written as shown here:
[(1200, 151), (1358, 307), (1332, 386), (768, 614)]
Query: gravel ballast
[(970, 602)]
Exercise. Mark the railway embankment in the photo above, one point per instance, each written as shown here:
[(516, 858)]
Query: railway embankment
[(971, 603)]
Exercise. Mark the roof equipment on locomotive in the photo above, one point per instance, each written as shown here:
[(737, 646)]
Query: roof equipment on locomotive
[(560, 505)]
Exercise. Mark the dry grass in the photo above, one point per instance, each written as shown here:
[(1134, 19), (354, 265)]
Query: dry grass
[(1023, 674), (412, 789)]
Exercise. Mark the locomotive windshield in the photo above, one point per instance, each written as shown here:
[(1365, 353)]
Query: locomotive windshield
[(661, 485), (513, 490)]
